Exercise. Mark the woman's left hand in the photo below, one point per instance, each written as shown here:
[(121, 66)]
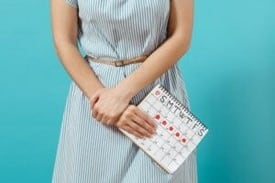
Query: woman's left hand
[(107, 104)]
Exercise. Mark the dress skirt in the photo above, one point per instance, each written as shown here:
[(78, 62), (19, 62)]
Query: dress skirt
[(91, 152)]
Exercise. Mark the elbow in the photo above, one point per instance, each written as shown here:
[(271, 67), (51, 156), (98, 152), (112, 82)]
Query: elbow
[(182, 41), (61, 43), (60, 39), (185, 46)]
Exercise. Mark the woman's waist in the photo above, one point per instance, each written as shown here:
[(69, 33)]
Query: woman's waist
[(115, 62)]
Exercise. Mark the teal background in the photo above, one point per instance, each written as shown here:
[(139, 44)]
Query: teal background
[(229, 73)]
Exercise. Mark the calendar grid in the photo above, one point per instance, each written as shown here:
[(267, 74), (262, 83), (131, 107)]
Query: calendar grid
[(178, 131)]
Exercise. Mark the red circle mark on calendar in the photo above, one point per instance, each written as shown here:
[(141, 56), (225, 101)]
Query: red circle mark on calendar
[(164, 122), (171, 128), (157, 92), (157, 116), (177, 134), (183, 140)]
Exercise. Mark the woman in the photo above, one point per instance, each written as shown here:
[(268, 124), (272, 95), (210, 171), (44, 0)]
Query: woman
[(103, 94)]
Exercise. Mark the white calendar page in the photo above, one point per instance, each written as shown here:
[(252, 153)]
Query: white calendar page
[(178, 130)]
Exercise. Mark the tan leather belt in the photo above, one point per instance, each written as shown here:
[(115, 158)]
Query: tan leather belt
[(116, 63)]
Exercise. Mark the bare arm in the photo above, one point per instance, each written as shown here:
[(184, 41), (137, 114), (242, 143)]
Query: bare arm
[(177, 43), (64, 28)]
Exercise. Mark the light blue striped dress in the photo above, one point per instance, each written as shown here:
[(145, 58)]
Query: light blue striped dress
[(89, 151)]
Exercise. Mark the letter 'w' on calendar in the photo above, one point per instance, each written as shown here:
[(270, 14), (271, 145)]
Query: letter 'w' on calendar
[(178, 130)]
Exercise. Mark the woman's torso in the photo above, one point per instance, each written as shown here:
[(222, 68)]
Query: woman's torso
[(121, 29)]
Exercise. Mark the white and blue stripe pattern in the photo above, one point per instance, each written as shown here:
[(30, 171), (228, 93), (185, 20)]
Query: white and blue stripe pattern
[(89, 151)]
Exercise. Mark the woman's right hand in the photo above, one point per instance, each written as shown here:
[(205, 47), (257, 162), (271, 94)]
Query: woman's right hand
[(135, 121)]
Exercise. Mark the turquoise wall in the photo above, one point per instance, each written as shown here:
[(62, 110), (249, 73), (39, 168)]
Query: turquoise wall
[(229, 73)]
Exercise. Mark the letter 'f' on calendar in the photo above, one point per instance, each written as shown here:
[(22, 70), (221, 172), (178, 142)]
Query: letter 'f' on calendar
[(178, 130)]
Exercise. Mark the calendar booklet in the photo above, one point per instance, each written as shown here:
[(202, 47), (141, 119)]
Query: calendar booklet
[(178, 130)]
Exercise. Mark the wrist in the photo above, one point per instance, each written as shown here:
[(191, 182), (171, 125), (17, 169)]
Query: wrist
[(95, 89), (126, 90)]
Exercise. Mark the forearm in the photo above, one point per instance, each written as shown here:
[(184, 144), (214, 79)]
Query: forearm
[(155, 65), (78, 69)]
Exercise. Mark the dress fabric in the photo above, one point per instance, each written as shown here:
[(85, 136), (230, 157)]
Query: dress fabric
[(89, 151)]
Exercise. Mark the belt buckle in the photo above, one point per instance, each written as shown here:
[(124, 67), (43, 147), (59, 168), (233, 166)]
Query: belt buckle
[(119, 63)]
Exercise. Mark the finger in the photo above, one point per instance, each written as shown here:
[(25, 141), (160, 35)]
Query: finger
[(106, 121), (146, 117), (99, 117), (112, 118), (138, 128), (103, 120), (94, 113), (94, 99), (142, 123), (130, 130)]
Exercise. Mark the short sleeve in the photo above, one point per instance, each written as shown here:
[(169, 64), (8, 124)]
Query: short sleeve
[(72, 3)]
